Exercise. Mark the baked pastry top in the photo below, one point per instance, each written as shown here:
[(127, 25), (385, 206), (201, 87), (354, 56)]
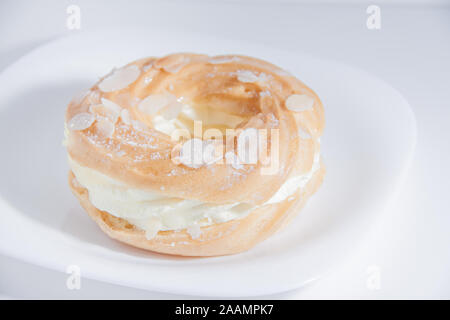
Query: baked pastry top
[(132, 138)]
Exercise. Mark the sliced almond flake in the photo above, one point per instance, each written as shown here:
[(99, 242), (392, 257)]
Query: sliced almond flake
[(105, 112), (95, 108), (172, 64), (138, 125), (154, 102), (246, 76), (299, 102), (249, 76), (111, 105), (194, 231), (125, 116), (105, 128), (120, 79), (175, 68), (81, 121), (93, 97)]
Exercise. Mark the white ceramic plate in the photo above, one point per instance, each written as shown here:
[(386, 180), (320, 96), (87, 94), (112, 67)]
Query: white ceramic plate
[(369, 140)]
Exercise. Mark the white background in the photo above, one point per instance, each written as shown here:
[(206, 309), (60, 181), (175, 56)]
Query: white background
[(410, 244)]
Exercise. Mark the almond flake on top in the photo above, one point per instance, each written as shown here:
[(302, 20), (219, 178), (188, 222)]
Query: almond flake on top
[(249, 76), (154, 102), (176, 66), (114, 107), (138, 125), (81, 121), (165, 104), (105, 128), (120, 79), (103, 111), (299, 102)]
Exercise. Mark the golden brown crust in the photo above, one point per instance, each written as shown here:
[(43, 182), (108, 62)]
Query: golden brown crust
[(146, 162), (219, 239), (250, 89)]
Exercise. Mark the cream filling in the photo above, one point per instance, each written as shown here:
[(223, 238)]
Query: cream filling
[(153, 212), (185, 120), (291, 185)]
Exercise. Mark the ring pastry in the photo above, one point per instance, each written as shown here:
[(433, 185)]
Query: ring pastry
[(156, 147)]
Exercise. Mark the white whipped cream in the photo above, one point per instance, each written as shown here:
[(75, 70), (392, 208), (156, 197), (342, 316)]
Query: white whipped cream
[(291, 185), (188, 114), (152, 212)]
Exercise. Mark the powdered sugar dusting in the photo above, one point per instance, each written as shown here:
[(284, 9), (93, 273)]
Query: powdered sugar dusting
[(120, 79)]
